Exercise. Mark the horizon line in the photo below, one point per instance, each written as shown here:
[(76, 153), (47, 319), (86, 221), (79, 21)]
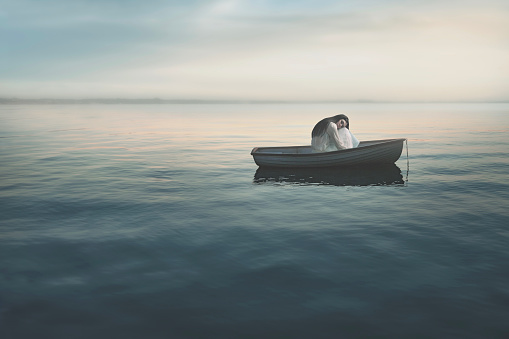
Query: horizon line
[(16, 100)]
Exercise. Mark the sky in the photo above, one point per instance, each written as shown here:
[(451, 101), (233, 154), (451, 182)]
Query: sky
[(300, 50)]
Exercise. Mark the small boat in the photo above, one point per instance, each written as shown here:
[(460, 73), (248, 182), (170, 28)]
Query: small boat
[(385, 151)]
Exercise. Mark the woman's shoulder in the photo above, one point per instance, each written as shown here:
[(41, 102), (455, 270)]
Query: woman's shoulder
[(332, 126)]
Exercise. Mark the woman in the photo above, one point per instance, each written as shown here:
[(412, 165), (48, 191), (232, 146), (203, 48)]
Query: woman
[(332, 134)]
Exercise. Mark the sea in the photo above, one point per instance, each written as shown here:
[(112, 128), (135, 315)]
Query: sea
[(153, 221)]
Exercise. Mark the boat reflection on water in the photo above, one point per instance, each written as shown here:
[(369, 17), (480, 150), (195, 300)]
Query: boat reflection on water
[(380, 175)]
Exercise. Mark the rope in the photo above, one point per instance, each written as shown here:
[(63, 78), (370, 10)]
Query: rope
[(407, 161)]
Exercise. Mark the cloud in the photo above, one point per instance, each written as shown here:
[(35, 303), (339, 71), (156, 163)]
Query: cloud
[(247, 49)]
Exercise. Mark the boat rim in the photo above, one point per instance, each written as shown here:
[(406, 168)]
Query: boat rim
[(254, 151)]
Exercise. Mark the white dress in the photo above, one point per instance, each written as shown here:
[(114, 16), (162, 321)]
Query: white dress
[(334, 139)]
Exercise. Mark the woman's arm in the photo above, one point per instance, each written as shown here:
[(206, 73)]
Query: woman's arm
[(332, 131)]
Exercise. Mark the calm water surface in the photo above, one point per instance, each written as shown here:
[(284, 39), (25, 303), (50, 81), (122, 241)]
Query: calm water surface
[(153, 221)]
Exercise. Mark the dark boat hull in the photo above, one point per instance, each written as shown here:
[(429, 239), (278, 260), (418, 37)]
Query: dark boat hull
[(369, 152)]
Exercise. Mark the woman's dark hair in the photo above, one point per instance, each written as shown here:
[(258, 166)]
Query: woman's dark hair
[(321, 126)]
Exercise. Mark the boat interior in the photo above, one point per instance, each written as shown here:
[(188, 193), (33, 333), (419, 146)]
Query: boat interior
[(302, 149)]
